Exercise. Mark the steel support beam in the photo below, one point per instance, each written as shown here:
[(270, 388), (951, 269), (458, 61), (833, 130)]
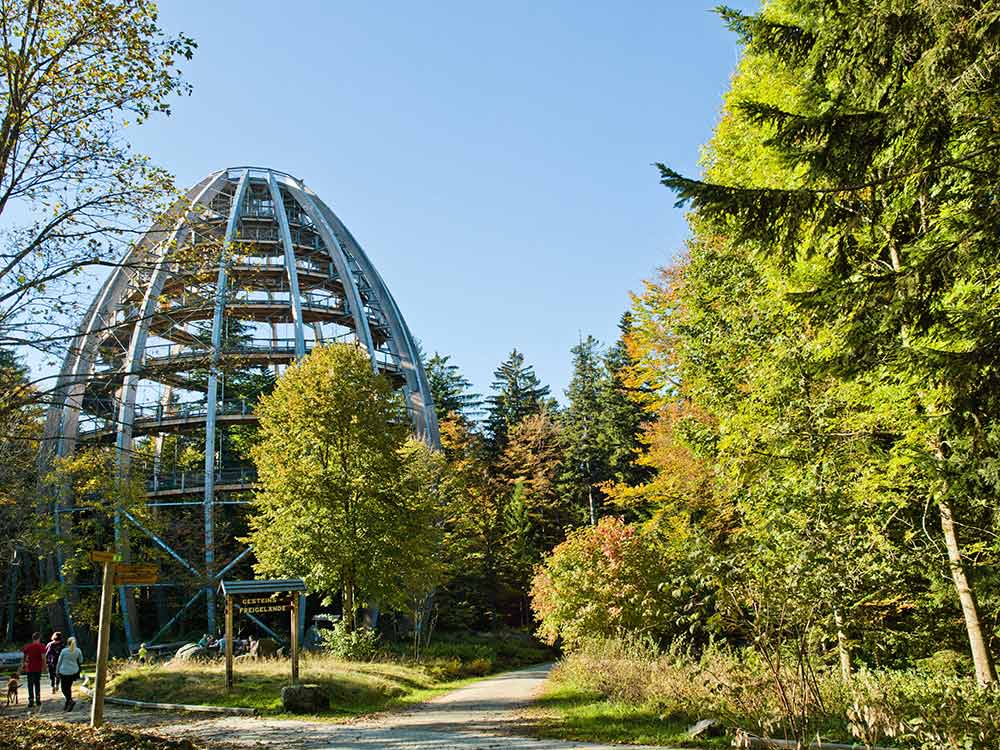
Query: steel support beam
[(132, 367), (176, 617), (212, 398), (161, 544), (400, 340), (290, 268), (232, 564), (347, 279), (127, 302)]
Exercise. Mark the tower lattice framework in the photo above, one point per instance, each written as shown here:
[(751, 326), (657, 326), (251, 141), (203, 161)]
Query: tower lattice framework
[(248, 273)]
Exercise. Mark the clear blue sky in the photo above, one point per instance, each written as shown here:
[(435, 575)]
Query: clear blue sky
[(494, 159)]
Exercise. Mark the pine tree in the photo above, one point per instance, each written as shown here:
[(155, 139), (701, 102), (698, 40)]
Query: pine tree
[(517, 393), (530, 469), (451, 390), (584, 425), (622, 412)]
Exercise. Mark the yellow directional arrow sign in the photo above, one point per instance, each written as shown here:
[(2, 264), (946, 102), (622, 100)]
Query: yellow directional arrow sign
[(135, 574)]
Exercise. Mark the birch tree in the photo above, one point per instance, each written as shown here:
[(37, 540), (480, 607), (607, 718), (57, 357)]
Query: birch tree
[(74, 74)]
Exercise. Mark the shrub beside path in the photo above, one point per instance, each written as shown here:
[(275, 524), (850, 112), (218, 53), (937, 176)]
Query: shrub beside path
[(486, 715)]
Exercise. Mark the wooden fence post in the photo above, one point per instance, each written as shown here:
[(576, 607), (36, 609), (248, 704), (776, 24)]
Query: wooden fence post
[(229, 642), (295, 639), (103, 638)]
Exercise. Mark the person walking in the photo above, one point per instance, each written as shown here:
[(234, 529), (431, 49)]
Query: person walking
[(68, 667), (32, 664), (52, 651)]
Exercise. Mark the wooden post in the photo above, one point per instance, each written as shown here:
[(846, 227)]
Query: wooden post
[(229, 642), (295, 639), (103, 638)]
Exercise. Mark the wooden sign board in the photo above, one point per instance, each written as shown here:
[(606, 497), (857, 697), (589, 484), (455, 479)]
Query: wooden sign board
[(257, 605), (136, 574), (102, 556)]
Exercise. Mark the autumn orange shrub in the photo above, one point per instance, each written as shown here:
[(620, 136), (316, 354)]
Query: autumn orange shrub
[(602, 581)]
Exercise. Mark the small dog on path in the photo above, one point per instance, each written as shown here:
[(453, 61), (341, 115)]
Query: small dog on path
[(12, 685)]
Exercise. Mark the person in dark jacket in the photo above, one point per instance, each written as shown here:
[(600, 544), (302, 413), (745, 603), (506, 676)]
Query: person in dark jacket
[(52, 651)]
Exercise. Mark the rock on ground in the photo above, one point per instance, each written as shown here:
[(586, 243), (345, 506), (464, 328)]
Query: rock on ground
[(304, 699), (191, 652)]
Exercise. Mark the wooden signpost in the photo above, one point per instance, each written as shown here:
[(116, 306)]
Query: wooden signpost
[(135, 575), (114, 574), (262, 597)]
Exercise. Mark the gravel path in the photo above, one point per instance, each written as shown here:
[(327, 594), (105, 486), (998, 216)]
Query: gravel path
[(481, 716)]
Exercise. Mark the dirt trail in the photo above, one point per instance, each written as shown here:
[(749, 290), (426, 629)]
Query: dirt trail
[(485, 715)]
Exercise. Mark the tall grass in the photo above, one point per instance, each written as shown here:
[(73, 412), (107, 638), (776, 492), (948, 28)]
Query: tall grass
[(919, 708)]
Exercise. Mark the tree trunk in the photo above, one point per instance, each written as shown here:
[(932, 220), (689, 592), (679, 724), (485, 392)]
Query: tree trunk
[(843, 648), (985, 673), (348, 613)]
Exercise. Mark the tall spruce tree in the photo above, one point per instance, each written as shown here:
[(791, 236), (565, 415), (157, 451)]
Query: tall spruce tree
[(584, 427), (452, 391), (881, 214), (622, 411), (517, 393)]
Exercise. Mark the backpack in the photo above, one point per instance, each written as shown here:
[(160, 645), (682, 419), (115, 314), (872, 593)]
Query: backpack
[(52, 653)]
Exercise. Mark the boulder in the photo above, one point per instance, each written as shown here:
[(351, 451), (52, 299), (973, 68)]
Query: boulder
[(191, 652), (265, 648), (706, 728), (304, 699)]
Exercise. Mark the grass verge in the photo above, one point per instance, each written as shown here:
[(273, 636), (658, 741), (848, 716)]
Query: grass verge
[(354, 688), (569, 712)]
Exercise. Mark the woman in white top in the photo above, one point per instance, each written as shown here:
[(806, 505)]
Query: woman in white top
[(68, 668)]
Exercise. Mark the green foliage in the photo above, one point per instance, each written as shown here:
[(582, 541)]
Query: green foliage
[(72, 75), (473, 532), (817, 380), (924, 710), (96, 481), (517, 393), (679, 685), (458, 655), (816, 369), (584, 425), (603, 581), (21, 527), (537, 512), (352, 644), (912, 709), (336, 504), (623, 418), (451, 390)]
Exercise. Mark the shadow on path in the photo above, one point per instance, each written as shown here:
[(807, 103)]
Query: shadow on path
[(482, 716)]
